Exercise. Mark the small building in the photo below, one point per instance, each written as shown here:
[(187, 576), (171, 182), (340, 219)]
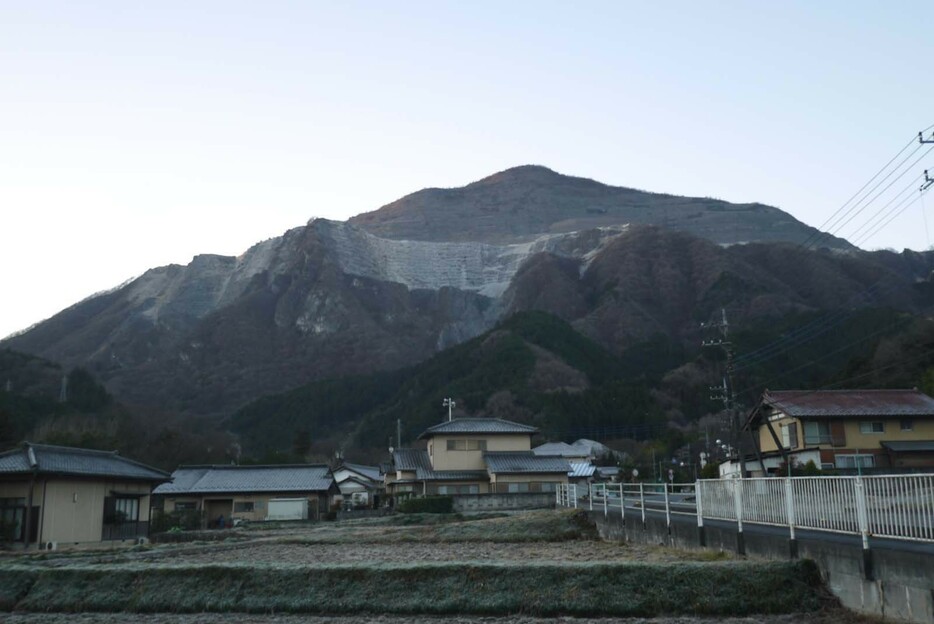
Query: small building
[(55, 496), (224, 494), (842, 429), (360, 485), (475, 456)]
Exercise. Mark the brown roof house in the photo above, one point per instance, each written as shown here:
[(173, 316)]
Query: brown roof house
[(843, 429), (467, 456), (54, 496)]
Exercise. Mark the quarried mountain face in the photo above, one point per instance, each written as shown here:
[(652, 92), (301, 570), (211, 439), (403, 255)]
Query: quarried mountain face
[(320, 301), (391, 288)]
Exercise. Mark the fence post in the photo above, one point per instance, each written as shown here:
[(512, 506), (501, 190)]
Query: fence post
[(667, 511), (699, 507), (575, 495), (622, 504), (605, 501), (790, 515), (642, 502), (862, 516), (738, 505), (590, 495)]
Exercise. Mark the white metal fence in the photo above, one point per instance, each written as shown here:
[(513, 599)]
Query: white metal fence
[(897, 506)]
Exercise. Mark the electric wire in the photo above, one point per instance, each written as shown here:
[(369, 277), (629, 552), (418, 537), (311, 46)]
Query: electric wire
[(888, 186), (819, 230)]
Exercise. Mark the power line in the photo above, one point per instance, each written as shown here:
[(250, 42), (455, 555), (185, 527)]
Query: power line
[(892, 218), (887, 187), (819, 232), (900, 321), (909, 187)]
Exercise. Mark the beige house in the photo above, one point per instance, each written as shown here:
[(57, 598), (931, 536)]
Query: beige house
[(474, 456), (225, 494), (843, 429), (55, 496)]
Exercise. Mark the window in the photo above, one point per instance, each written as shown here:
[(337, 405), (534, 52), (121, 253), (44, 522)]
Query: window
[(243, 506), (790, 435), (855, 461), (817, 433), (466, 445), (186, 506), (907, 425), (12, 516), (548, 487), (120, 509), (869, 426), (517, 487)]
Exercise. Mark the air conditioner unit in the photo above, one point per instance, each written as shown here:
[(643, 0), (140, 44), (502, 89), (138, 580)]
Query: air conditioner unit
[(51, 545)]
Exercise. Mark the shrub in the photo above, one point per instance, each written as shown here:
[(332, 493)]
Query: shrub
[(428, 504)]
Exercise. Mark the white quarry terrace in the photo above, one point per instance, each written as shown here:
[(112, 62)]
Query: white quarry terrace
[(209, 282), (479, 267)]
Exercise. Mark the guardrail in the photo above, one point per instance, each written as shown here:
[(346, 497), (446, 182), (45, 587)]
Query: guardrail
[(896, 506)]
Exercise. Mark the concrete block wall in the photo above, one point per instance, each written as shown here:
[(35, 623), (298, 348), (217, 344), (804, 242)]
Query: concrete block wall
[(901, 584)]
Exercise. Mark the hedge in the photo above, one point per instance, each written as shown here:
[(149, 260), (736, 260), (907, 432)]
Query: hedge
[(428, 504)]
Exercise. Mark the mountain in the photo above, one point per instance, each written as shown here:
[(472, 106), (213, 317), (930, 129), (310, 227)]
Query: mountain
[(334, 299), (522, 203)]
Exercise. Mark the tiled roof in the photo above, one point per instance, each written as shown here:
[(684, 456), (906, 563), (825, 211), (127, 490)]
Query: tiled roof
[(514, 462), (453, 475), (560, 449), (63, 460), (581, 470), (233, 479), (850, 403), (477, 425), (370, 472), (908, 446), (410, 459)]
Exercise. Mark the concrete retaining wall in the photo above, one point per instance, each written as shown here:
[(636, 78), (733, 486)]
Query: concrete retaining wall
[(902, 581), (498, 502)]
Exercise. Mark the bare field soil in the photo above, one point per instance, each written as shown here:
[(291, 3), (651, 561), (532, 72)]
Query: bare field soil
[(526, 544)]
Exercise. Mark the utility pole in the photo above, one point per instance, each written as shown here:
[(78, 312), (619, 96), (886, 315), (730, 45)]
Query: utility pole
[(449, 403), (726, 392), (399, 432), (928, 181)]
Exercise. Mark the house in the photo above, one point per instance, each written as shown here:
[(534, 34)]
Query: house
[(360, 486), (474, 456), (252, 493), (69, 496), (842, 429), (570, 452)]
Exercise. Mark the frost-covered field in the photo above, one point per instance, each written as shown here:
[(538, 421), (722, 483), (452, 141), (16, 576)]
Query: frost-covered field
[(409, 565)]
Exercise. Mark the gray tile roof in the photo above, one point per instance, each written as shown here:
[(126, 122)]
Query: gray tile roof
[(850, 403), (62, 460), (410, 459), (370, 472), (452, 475), (560, 449), (519, 462), (477, 425), (235, 479)]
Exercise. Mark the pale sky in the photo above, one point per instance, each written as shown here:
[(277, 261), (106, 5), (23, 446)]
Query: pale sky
[(134, 135)]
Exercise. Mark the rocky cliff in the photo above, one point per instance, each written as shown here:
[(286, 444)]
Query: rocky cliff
[(391, 288)]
